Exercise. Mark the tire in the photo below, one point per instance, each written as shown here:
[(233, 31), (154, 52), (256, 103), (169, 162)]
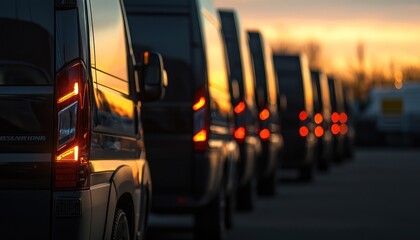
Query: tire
[(144, 217), (120, 228), (307, 173), (230, 210), (247, 196), (210, 219), (267, 185)]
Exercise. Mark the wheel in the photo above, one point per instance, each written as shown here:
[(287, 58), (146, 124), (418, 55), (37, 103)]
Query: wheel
[(120, 229), (267, 185), (307, 173), (230, 209), (247, 195), (144, 217), (210, 219)]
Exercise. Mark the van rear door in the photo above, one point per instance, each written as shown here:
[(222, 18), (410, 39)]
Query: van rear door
[(26, 117)]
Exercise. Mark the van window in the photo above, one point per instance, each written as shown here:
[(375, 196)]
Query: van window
[(170, 36), (217, 66), (110, 38), (26, 43)]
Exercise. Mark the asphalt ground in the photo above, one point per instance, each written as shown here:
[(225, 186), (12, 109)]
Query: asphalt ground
[(376, 195)]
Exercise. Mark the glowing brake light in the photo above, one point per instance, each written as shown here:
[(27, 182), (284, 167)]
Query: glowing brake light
[(240, 134), (303, 131), (240, 108), (344, 129), (335, 129), (201, 136), (265, 134), (303, 116), (69, 95), (71, 165), (264, 114), (318, 118), (199, 104), (343, 117), (319, 131), (335, 117), (70, 155)]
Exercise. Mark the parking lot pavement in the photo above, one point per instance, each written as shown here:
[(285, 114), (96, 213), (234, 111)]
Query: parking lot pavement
[(374, 196)]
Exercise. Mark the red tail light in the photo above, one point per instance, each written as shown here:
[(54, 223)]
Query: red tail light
[(240, 134), (344, 129), (71, 168), (318, 118), (264, 114), (335, 129), (319, 131), (303, 116), (200, 137), (343, 117), (265, 134), (240, 108), (303, 131), (335, 117)]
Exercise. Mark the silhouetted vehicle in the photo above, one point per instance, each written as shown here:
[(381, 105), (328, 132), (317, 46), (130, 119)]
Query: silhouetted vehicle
[(322, 119), (242, 87), (266, 91), (349, 137), (72, 161), (297, 119), (338, 117), (188, 135)]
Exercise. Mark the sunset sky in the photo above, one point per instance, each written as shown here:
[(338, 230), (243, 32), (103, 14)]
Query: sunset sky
[(389, 29)]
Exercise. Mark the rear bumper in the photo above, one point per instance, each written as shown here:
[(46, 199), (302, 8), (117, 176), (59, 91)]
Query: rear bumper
[(247, 160), (207, 173), (299, 152), (269, 158)]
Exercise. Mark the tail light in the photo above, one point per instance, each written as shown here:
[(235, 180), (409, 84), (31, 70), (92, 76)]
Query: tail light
[(240, 131), (265, 134), (335, 129), (303, 131), (71, 168), (264, 124), (344, 129), (343, 117), (318, 118), (303, 116), (335, 117), (264, 114), (319, 131), (200, 137)]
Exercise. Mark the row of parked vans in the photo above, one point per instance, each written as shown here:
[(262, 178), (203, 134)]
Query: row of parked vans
[(113, 109)]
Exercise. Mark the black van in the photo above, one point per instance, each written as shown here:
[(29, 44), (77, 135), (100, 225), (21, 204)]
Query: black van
[(242, 87), (72, 159), (297, 119), (338, 117), (188, 134), (266, 91), (348, 129), (322, 119)]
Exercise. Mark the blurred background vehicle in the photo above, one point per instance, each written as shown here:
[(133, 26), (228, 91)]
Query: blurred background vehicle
[(188, 134), (294, 80), (389, 116), (338, 117), (242, 88), (266, 90), (322, 120)]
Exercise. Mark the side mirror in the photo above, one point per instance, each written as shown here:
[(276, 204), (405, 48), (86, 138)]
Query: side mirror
[(152, 78)]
